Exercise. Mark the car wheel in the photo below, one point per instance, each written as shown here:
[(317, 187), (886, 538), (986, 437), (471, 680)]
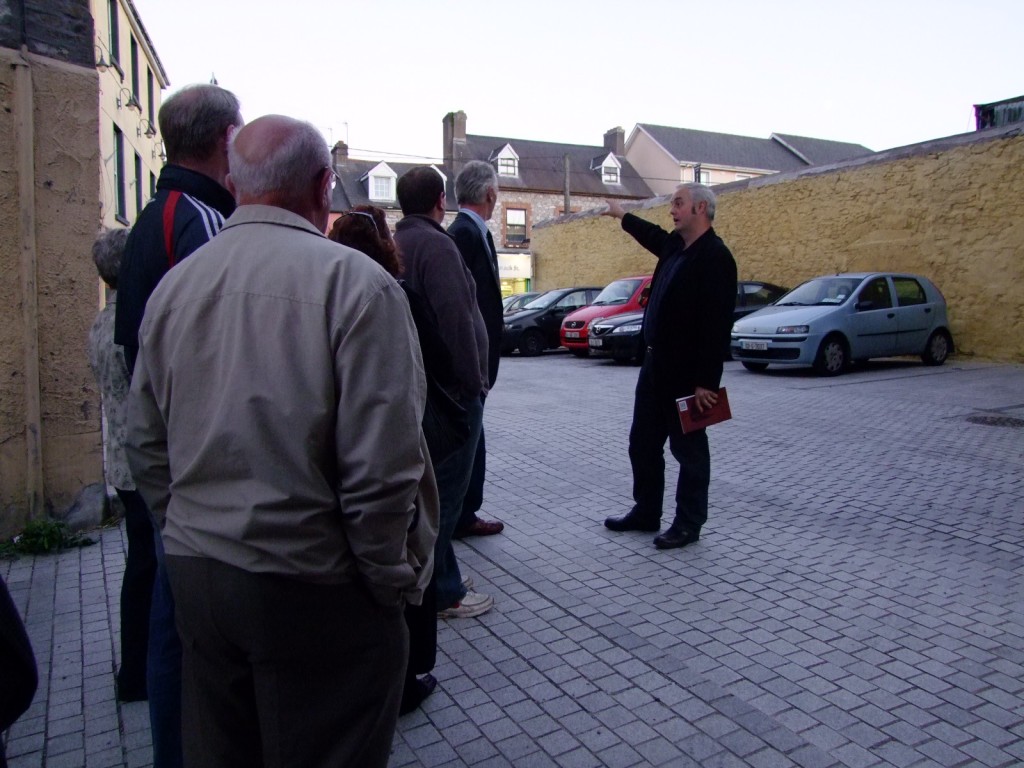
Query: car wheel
[(531, 345), (832, 356), (938, 348), (755, 367)]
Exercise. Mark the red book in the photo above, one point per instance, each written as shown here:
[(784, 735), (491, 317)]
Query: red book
[(692, 419)]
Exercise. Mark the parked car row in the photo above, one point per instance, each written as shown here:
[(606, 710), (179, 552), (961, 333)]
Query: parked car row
[(828, 322), (621, 337)]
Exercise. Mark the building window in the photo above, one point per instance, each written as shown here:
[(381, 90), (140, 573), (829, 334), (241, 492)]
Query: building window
[(515, 227), (138, 184), (120, 203), (135, 67), (610, 174), (150, 101), (508, 166), (152, 185), (701, 177), (113, 28), (382, 188)]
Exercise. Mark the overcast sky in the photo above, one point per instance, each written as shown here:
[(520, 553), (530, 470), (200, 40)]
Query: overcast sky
[(381, 74)]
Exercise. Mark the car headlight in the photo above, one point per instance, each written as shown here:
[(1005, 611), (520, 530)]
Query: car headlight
[(512, 327), (735, 328), (628, 328), (793, 329)]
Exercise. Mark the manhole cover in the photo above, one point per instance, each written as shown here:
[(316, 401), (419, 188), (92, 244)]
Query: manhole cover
[(996, 421)]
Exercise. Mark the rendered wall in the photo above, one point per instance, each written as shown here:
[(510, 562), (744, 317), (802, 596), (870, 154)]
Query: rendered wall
[(952, 210), (66, 161)]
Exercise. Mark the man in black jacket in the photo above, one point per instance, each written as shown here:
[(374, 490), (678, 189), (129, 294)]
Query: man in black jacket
[(190, 206), (686, 327), (476, 188)]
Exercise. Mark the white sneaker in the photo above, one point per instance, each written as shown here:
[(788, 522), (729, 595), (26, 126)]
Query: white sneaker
[(468, 583), (473, 604)]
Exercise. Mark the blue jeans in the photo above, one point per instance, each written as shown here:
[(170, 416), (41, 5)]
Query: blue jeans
[(163, 670), (452, 476), (655, 420)]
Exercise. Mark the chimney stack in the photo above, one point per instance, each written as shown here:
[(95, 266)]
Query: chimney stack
[(454, 138), (339, 154), (615, 140)]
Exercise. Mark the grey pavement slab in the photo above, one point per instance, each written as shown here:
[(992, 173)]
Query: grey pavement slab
[(855, 599)]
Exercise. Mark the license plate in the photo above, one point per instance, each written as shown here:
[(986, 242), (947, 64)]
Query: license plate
[(758, 345), (596, 342), (572, 334)]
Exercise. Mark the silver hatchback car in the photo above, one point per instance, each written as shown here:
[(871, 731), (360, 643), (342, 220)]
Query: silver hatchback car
[(832, 320)]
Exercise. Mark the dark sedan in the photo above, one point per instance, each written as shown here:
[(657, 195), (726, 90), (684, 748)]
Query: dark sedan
[(535, 327), (621, 339)]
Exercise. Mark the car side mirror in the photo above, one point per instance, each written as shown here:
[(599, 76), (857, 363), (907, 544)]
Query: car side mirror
[(645, 296)]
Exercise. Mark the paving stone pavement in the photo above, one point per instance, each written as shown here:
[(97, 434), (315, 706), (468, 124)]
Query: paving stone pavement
[(855, 599)]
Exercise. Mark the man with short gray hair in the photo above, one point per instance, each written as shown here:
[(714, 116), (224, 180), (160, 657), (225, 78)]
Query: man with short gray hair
[(275, 434), (686, 328), (189, 208), (476, 189)]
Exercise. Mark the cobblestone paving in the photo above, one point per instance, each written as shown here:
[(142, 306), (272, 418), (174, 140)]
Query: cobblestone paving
[(855, 599)]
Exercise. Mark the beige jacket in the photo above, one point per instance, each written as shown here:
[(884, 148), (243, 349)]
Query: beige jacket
[(275, 410)]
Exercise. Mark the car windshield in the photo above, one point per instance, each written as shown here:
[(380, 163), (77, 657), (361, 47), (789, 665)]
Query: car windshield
[(821, 291), (618, 292), (543, 301)]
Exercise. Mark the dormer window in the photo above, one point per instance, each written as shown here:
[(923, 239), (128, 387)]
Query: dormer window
[(381, 181), (610, 168), (508, 161)]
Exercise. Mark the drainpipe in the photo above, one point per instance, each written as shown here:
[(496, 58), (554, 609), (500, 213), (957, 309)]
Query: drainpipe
[(24, 142)]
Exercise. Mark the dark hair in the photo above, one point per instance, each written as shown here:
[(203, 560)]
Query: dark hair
[(107, 251), (365, 228), (193, 121), (419, 189)]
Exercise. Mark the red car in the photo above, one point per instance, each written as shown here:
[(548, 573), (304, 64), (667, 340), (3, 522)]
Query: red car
[(626, 295)]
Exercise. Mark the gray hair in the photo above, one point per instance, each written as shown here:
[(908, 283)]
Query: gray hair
[(107, 252), (287, 169), (473, 181), (701, 193), (193, 121)]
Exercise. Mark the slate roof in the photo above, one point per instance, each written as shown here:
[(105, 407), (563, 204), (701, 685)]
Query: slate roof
[(352, 190), (542, 169), (687, 145)]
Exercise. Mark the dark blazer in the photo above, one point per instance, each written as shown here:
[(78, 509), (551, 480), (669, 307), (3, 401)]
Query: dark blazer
[(694, 314), (476, 252)]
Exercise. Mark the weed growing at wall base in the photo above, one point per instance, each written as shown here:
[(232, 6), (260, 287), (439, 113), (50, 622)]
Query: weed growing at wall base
[(41, 537)]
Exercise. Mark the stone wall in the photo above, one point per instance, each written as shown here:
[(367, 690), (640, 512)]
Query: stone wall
[(66, 187), (951, 209)]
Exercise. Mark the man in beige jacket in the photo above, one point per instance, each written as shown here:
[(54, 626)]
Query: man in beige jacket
[(275, 434)]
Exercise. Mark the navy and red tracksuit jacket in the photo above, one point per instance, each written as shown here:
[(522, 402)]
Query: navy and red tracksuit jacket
[(188, 210)]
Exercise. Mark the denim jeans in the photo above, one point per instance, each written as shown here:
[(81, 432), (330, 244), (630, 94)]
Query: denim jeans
[(475, 492), (163, 670), (655, 420), (452, 476)]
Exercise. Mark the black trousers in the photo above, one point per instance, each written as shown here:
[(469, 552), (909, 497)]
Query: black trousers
[(136, 595), (278, 672), (655, 420), (18, 676)]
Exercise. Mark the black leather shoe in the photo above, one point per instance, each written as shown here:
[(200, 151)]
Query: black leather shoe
[(673, 538), (631, 522)]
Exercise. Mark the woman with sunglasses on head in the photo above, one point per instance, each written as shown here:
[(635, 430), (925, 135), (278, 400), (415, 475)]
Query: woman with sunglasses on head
[(365, 228)]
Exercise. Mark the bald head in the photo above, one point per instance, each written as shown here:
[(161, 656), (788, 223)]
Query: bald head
[(277, 160)]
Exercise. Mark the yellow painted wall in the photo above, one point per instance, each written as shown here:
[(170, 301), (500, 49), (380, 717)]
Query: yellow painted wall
[(66, 163), (952, 210)]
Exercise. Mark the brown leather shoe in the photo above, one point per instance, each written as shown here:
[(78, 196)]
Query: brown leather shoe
[(480, 528)]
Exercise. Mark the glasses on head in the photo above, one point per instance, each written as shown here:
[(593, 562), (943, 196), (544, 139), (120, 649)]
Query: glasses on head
[(367, 215)]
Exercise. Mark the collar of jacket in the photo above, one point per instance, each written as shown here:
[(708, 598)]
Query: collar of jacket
[(198, 185), (418, 220), (269, 214)]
